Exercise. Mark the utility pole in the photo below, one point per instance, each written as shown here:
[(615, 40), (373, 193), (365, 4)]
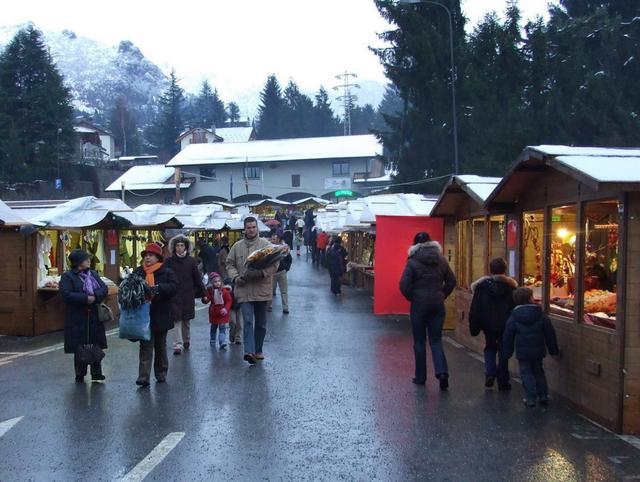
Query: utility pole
[(347, 98), (177, 178)]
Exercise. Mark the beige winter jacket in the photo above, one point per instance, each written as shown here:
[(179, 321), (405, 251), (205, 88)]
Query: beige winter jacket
[(256, 290)]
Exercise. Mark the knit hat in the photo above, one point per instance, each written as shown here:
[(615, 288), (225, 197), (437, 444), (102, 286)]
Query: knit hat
[(213, 275), (77, 256), (153, 248)]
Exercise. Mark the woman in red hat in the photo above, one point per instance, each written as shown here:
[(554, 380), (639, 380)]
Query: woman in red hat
[(162, 287)]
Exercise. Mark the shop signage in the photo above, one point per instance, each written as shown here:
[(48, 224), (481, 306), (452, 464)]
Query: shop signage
[(337, 183), (343, 193)]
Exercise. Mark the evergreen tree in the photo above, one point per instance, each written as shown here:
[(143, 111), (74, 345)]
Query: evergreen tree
[(298, 112), (233, 112), (169, 124), (37, 140), (271, 113), (208, 109), (123, 127), (363, 119), (324, 122)]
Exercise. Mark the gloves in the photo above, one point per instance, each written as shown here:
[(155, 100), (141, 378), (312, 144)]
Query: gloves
[(240, 281), (253, 274), (224, 312)]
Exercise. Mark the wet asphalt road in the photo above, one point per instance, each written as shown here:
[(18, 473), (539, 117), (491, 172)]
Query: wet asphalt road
[(332, 401)]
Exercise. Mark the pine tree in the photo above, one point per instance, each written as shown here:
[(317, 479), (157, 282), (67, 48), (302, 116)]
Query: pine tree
[(169, 124), (207, 109), (37, 140), (324, 122), (363, 119), (233, 111), (271, 111), (298, 112), (123, 127)]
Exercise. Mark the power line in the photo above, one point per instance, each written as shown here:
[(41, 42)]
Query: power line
[(347, 98)]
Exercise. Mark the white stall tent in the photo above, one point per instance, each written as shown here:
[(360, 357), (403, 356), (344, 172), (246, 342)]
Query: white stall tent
[(80, 213), (10, 218)]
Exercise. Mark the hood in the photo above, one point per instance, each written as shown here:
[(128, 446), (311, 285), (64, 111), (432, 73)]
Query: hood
[(182, 239), (527, 314), (429, 253), (497, 284)]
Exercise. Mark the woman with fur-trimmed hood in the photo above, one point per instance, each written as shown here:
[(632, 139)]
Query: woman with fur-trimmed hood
[(426, 282), (190, 287), (490, 308)]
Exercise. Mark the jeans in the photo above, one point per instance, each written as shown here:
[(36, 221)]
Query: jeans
[(156, 346), (493, 350), (534, 381), (336, 286), (181, 332), (254, 314), (428, 319), (222, 334)]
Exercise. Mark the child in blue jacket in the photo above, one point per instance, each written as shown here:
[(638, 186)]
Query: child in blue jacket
[(533, 334)]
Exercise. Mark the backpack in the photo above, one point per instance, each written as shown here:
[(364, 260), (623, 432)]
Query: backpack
[(131, 292)]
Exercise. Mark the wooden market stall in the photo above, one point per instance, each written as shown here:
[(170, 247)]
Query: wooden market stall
[(573, 232), (35, 256), (471, 239)]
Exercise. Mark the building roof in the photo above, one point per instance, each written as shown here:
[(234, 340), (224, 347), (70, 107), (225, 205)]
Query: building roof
[(80, 213), (477, 188), (9, 217), (190, 130), (235, 134), (593, 166), (141, 178), (309, 148), (269, 202), (84, 126)]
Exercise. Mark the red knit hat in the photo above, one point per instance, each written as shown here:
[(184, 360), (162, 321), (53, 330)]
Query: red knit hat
[(153, 248)]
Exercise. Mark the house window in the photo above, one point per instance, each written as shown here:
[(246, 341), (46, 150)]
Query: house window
[(207, 173), (253, 172), (341, 168), (295, 180)]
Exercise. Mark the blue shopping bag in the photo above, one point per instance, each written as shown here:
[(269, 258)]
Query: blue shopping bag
[(135, 323)]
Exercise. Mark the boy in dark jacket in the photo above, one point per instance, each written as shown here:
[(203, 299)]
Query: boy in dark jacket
[(490, 308), (533, 334)]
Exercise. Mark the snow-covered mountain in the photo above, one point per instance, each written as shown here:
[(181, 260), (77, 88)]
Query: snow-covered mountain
[(97, 74)]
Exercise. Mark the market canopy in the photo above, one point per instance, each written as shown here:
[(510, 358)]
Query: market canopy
[(596, 167), (395, 205), (460, 188), (146, 178), (311, 200), (8, 217), (269, 202), (83, 212)]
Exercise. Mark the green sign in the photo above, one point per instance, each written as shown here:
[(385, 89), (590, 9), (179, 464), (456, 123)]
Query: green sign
[(344, 193)]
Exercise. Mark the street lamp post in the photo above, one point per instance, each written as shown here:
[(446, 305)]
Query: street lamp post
[(453, 78)]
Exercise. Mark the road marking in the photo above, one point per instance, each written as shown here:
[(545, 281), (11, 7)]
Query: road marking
[(42, 351), (8, 425), (157, 455)]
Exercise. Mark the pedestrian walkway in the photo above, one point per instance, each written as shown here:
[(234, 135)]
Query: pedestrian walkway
[(333, 400)]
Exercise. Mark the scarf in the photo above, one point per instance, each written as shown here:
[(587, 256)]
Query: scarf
[(89, 283), (181, 255), (149, 270), (217, 296)]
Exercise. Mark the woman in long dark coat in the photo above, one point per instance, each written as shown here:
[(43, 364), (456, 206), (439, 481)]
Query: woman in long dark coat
[(190, 287), (161, 285), (336, 264), (82, 291)]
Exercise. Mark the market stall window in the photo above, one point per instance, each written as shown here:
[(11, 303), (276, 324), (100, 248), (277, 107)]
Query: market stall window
[(462, 255), (71, 240), (533, 227), (562, 261), (497, 243), (131, 245), (50, 267), (93, 242), (478, 248), (601, 222)]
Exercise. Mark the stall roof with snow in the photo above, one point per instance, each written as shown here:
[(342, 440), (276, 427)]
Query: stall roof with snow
[(595, 167), (82, 212), (338, 147), (396, 205), (10, 218), (146, 178), (459, 190)]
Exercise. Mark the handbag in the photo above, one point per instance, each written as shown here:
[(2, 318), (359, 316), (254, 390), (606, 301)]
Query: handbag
[(105, 314), (135, 323), (88, 353)]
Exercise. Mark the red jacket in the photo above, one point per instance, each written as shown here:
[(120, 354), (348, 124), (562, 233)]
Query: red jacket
[(215, 317), (322, 240)]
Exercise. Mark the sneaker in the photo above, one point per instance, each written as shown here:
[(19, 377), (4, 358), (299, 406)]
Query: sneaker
[(238, 341), (223, 346), (250, 357), (444, 381), (142, 383), (528, 403), (98, 378), (489, 381), (286, 312), (259, 356), (177, 351), (161, 380)]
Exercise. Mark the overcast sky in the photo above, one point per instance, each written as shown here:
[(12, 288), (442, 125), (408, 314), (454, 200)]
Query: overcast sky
[(237, 43)]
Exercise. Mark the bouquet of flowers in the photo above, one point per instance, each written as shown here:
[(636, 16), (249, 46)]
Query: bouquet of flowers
[(267, 256)]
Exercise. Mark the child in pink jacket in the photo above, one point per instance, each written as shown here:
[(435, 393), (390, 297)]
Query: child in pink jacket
[(221, 300)]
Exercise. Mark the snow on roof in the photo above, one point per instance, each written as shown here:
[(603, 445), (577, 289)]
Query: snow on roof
[(278, 150), (482, 187), (9, 217), (154, 215), (269, 202), (551, 150), (605, 169), (81, 212), (396, 205), (152, 177), (309, 200), (235, 134)]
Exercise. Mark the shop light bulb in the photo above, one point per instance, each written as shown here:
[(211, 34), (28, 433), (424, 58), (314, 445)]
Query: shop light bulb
[(562, 233), (573, 239)]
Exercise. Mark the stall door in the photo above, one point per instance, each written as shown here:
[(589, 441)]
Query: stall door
[(13, 282)]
